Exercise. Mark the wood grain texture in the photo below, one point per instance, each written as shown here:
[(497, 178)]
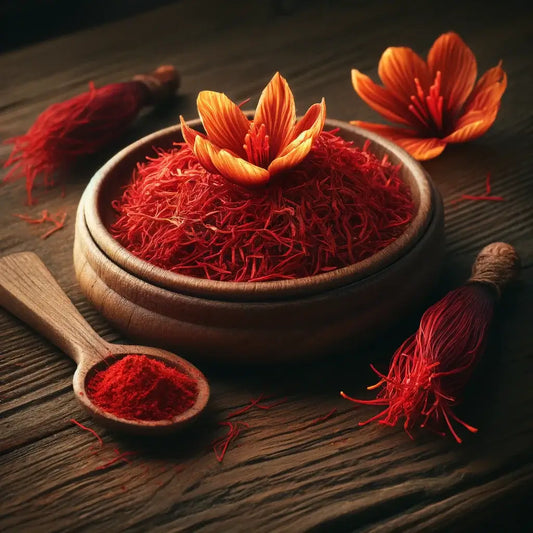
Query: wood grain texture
[(283, 473)]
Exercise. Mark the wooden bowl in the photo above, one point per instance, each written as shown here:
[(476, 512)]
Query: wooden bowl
[(255, 321)]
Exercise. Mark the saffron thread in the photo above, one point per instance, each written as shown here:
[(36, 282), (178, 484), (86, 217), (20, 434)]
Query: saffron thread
[(481, 197), (429, 371), (92, 431), (57, 219), (255, 403), (220, 446), (322, 418)]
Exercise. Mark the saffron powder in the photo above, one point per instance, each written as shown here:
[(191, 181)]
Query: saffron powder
[(138, 387), (340, 205)]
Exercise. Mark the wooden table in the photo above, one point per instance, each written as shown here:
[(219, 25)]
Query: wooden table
[(284, 473)]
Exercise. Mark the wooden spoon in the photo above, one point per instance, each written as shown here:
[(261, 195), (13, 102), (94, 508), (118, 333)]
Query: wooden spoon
[(30, 292)]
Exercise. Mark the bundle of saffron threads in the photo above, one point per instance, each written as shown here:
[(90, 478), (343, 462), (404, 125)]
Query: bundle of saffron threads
[(84, 124), (429, 371), (340, 205)]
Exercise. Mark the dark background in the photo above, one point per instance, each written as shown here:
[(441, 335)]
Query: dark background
[(23, 22)]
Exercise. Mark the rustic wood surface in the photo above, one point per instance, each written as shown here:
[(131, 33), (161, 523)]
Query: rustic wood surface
[(287, 471)]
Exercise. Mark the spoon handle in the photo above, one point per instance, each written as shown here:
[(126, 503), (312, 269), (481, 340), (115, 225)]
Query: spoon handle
[(30, 292)]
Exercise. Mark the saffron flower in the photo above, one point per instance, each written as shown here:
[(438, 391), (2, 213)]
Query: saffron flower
[(436, 101), (250, 152)]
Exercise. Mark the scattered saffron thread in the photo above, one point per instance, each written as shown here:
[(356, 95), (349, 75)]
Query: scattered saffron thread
[(125, 456), (255, 403), (58, 220), (120, 457), (85, 428), (339, 206), (323, 418), (482, 197), (220, 446)]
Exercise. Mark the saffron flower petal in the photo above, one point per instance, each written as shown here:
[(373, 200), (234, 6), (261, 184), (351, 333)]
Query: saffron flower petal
[(225, 123), (450, 55), (380, 99), (481, 108), (420, 149), (249, 152), (398, 68), (291, 158), (488, 91), (474, 125), (189, 135), (276, 110), (437, 101), (312, 122), (205, 151), (238, 170)]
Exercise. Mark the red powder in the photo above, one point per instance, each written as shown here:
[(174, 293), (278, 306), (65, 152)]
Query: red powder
[(138, 387), (339, 206)]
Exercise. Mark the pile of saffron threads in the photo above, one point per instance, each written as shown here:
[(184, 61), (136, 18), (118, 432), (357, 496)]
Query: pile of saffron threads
[(339, 206)]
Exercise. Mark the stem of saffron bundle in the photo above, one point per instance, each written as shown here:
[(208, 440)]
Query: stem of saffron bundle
[(429, 370)]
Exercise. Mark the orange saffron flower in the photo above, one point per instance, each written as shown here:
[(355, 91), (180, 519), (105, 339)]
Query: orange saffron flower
[(436, 101), (249, 152)]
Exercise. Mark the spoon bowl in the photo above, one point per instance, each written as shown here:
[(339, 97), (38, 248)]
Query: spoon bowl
[(30, 292)]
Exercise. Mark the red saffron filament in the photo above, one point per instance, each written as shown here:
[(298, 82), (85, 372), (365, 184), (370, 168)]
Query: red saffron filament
[(124, 456), (58, 220), (322, 418), (85, 428), (137, 387), (339, 206), (480, 197), (255, 403), (220, 446)]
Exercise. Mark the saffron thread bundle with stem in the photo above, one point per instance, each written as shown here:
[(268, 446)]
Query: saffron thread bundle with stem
[(84, 124), (430, 370)]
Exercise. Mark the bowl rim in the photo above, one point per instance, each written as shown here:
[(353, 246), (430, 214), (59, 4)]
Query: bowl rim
[(90, 204)]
